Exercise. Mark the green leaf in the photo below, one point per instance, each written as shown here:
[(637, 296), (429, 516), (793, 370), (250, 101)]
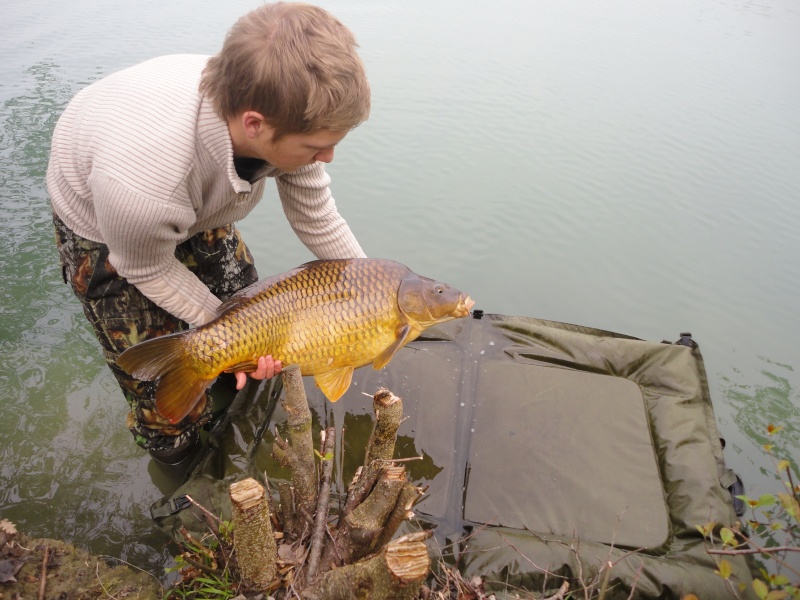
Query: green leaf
[(705, 530), (748, 500), (214, 590), (766, 500), (760, 588), (727, 536), (790, 505), (724, 569)]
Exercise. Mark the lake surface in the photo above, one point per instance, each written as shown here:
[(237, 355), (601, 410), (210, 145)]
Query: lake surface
[(631, 166)]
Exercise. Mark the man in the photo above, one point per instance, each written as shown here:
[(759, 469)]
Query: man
[(151, 166)]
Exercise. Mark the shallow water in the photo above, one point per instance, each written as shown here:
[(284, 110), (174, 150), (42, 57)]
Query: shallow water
[(622, 165)]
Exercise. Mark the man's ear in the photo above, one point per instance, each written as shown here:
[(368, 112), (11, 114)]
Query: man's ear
[(253, 123)]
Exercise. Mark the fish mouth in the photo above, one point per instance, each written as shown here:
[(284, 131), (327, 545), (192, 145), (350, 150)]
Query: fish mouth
[(464, 306)]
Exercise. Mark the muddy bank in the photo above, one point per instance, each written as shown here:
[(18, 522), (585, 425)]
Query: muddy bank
[(68, 573)]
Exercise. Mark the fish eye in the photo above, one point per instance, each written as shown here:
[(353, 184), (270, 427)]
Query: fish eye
[(438, 288)]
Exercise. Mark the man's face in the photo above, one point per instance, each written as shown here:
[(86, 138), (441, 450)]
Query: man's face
[(298, 150)]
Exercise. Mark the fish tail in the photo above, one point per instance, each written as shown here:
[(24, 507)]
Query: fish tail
[(167, 360)]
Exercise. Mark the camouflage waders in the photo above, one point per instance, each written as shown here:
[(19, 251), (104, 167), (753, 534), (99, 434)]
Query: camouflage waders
[(122, 316)]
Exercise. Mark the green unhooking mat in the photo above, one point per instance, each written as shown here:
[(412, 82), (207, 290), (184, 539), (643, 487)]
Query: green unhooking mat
[(547, 448)]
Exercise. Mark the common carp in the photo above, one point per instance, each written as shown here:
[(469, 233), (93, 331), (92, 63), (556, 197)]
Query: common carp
[(327, 316)]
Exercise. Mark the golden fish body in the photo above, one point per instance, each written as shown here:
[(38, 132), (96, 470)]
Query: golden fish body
[(328, 316)]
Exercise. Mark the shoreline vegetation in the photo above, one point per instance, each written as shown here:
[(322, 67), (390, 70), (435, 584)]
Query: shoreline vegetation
[(41, 568)]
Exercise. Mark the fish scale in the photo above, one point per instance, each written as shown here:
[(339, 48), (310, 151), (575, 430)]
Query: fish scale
[(328, 316)]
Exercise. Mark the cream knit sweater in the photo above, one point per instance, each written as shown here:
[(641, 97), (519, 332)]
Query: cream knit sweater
[(141, 162)]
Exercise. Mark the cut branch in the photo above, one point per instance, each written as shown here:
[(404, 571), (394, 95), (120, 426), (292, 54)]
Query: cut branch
[(396, 573)]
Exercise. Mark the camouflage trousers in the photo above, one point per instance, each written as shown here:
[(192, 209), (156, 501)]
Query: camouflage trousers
[(122, 316)]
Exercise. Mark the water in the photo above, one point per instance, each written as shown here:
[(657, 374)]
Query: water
[(622, 165)]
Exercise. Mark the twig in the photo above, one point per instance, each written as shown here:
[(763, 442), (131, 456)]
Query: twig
[(203, 508), (100, 581), (758, 550), (322, 506), (334, 545), (400, 460), (513, 547), (43, 577), (604, 581), (636, 579), (339, 478), (108, 558), (562, 591), (210, 517), (202, 567), (770, 550), (193, 543)]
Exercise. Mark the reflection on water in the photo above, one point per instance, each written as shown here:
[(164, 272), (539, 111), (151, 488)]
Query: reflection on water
[(352, 431), (769, 397), (68, 467), (629, 166)]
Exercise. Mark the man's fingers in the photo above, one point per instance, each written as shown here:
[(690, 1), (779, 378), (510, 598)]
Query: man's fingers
[(262, 370), (241, 379), (266, 368)]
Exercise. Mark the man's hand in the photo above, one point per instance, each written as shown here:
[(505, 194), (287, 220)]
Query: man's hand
[(267, 369)]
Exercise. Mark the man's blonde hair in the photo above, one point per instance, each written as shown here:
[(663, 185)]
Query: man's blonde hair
[(294, 63)]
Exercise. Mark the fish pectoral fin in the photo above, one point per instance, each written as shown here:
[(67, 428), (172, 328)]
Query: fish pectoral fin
[(384, 357), (334, 383)]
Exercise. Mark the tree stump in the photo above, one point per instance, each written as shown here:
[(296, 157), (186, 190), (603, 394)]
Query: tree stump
[(253, 541), (354, 558)]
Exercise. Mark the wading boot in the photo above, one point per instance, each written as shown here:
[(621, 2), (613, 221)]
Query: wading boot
[(174, 455)]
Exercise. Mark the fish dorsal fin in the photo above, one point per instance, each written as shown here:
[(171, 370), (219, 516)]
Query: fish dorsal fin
[(244, 295), (400, 340), (230, 304), (334, 383)]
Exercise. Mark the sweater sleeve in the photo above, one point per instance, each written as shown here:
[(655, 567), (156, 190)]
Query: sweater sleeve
[(311, 211), (141, 235)]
